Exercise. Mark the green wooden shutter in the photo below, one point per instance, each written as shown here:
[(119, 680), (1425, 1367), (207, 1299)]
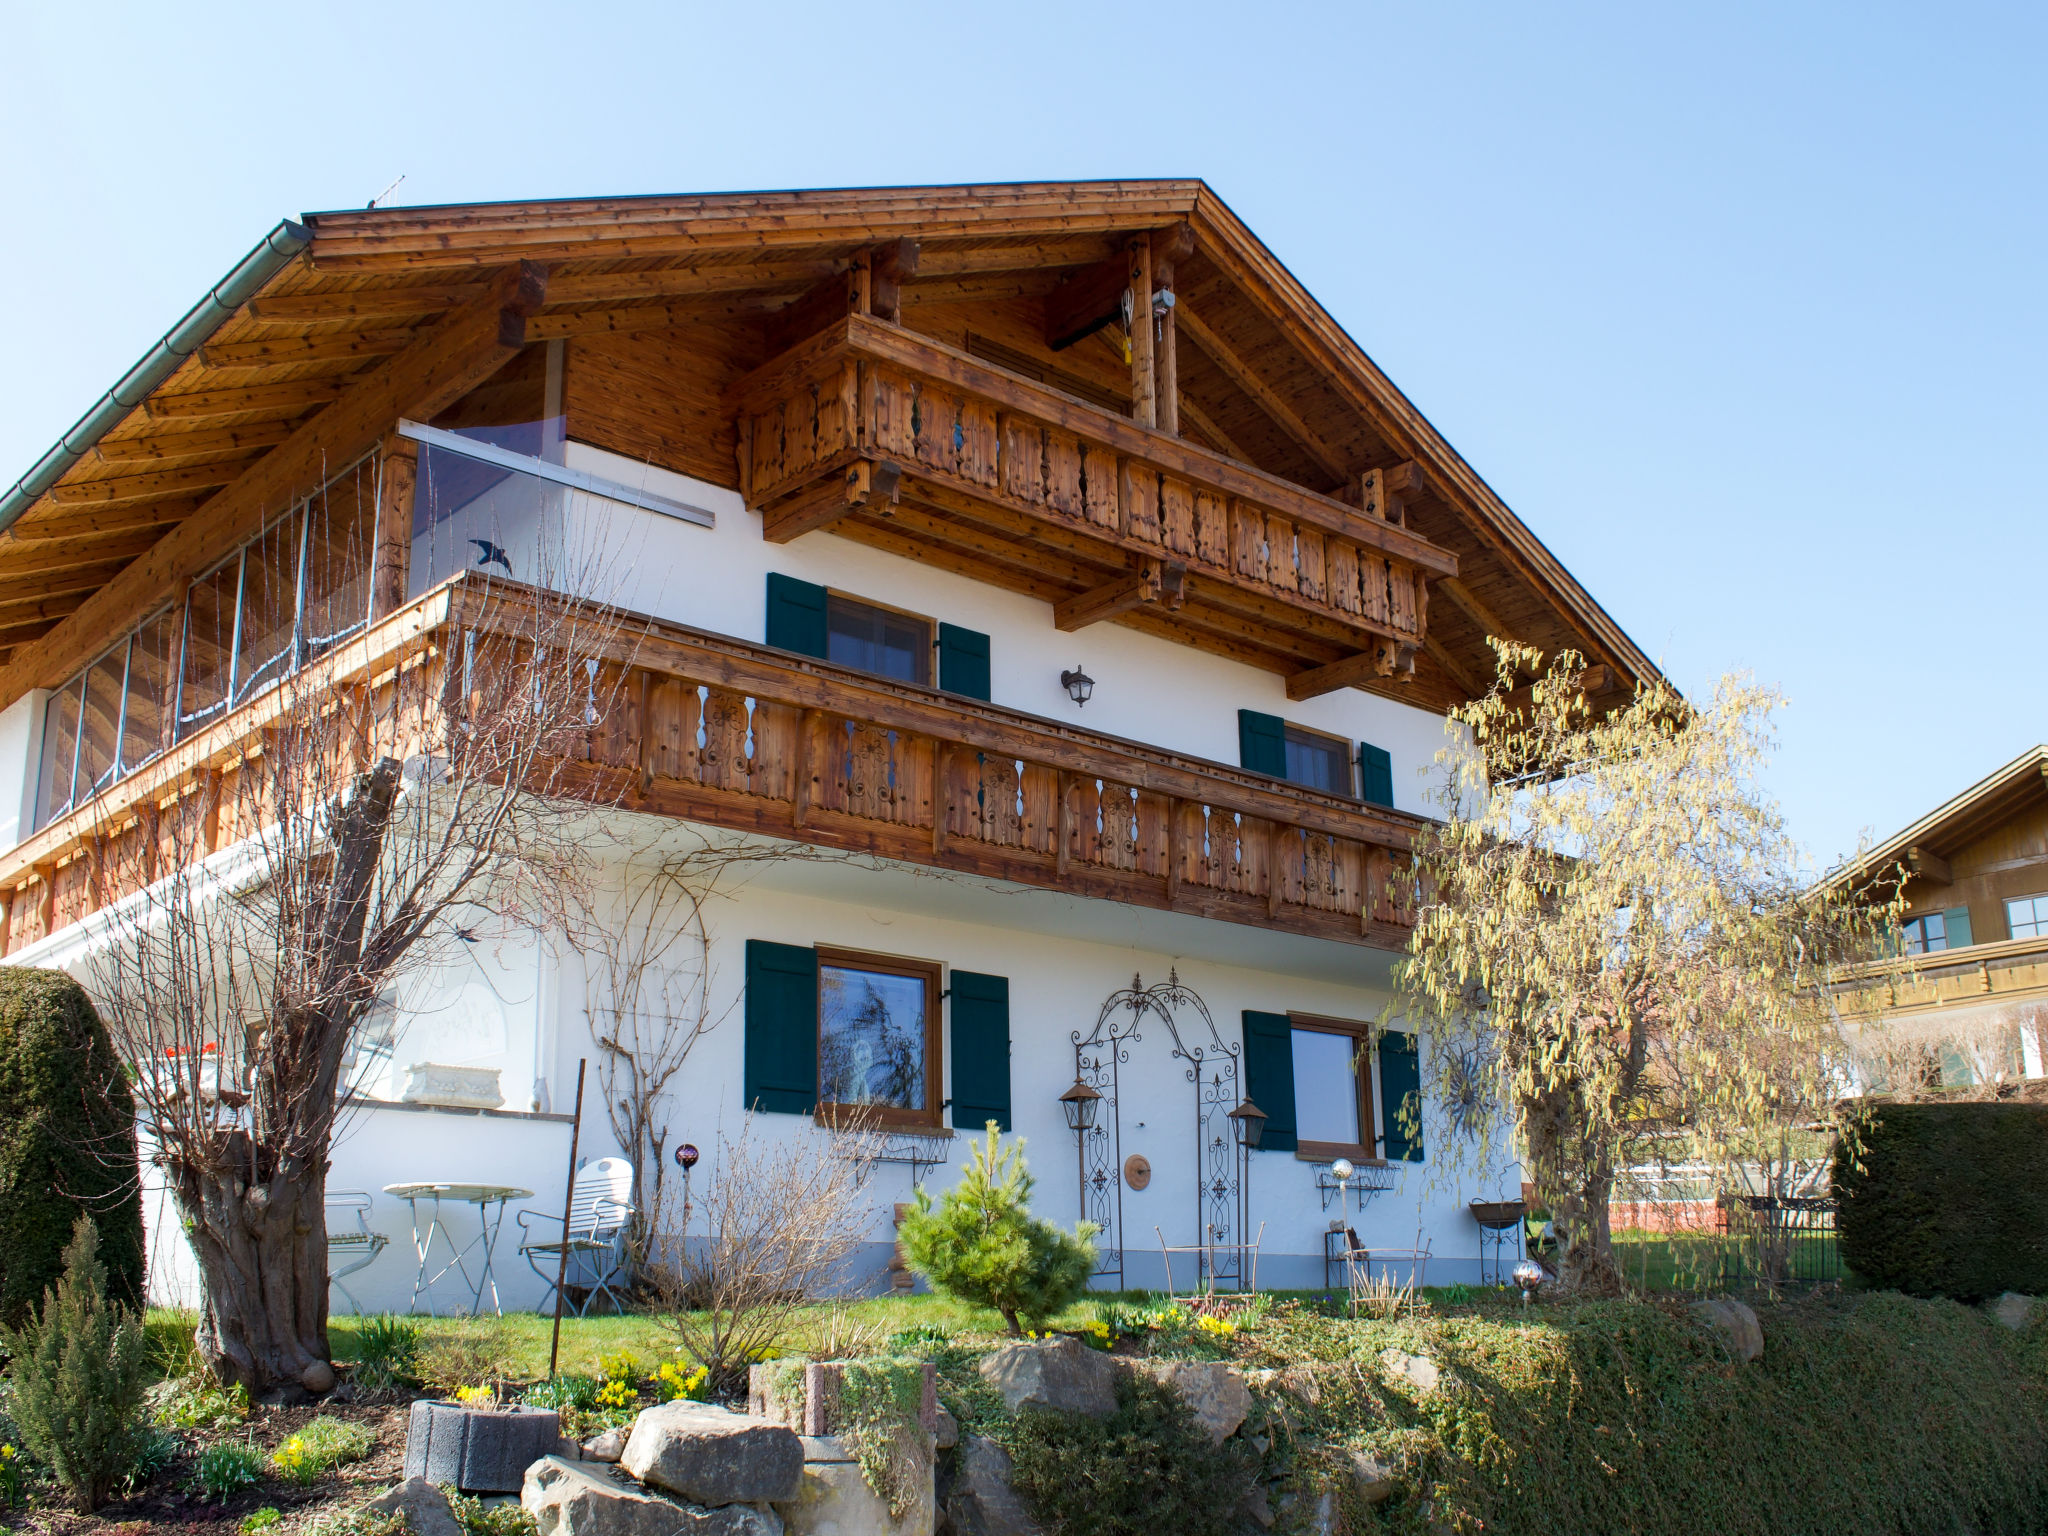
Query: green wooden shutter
[(1269, 1075), (981, 1051), (1262, 745), (1400, 1076), (781, 1071), (963, 662), (1957, 921), (796, 615), (1375, 774)]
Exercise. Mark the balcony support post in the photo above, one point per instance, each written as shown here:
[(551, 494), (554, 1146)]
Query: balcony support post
[(800, 795), (391, 557), (1169, 248), (1144, 380)]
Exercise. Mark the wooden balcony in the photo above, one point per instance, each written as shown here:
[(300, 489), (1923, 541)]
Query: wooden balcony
[(892, 438), (734, 735)]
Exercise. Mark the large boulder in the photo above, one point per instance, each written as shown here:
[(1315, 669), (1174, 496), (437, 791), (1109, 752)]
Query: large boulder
[(577, 1498), (425, 1507), (981, 1501), (835, 1499), (2013, 1310), (1735, 1322), (710, 1455), (1060, 1374), (1372, 1477), (478, 1450), (1419, 1373), (1215, 1393)]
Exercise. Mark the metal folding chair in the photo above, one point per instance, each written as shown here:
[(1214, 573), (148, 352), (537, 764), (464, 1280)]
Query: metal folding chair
[(347, 1238), (600, 1205)]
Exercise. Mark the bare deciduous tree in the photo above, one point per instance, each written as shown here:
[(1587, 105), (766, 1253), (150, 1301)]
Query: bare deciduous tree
[(250, 918)]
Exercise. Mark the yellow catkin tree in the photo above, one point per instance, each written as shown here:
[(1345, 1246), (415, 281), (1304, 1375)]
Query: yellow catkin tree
[(1617, 955)]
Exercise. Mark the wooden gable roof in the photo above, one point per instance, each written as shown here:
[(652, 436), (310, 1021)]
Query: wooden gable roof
[(1924, 847), (385, 311)]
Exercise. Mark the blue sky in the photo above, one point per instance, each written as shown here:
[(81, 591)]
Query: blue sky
[(1741, 307)]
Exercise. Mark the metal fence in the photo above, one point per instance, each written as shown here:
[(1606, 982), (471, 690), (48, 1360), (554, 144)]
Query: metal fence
[(1779, 1241)]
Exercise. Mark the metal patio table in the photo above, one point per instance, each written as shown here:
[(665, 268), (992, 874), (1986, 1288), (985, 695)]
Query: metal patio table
[(425, 1200)]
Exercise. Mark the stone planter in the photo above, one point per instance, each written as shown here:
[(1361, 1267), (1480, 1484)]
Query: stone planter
[(479, 1450), (433, 1082)]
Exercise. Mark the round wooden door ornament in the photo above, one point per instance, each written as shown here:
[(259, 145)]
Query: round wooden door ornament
[(1137, 1171)]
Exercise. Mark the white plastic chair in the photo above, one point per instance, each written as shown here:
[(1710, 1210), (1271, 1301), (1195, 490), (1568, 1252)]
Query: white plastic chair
[(347, 1239), (600, 1205)]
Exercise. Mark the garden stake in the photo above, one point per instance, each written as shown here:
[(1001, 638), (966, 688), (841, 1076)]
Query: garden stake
[(568, 1199)]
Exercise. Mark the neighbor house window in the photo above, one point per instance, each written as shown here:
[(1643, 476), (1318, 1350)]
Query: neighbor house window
[(876, 639), (1332, 1088), (2026, 917), (878, 1035), (1925, 935)]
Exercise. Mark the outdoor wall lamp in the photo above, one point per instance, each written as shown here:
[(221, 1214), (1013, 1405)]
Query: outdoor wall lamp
[(1079, 685), (1079, 1104), (1249, 1122)]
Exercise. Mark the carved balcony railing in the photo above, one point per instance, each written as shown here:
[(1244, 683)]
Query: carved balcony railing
[(888, 436), (738, 736)]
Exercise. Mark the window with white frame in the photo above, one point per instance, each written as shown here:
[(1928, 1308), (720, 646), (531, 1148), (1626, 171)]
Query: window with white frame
[(2026, 917)]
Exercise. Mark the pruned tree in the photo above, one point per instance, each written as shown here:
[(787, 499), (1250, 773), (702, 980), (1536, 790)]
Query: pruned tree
[(1617, 937), (251, 919)]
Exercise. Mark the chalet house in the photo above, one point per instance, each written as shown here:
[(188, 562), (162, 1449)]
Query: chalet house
[(1970, 1005), (1047, 551)]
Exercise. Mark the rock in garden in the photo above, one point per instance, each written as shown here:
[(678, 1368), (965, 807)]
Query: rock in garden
[(835, 1499), (609, 1446), (1214, 1392), (1259, 1507), (2013, 1309), (1311, 1514), (711, 1455), (981, 1501), (317, 1377), (1418, 1371), (1373, 1478), (1735, 1322), (576, 1498), (946, 1432), (1060, 1374), (424, 1506)]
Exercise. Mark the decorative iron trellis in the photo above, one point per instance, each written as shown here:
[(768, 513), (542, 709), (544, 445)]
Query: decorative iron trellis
[(1212, 1071)]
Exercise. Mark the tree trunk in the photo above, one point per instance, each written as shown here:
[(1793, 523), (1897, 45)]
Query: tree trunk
[(1576, 1183), (262, 1251)]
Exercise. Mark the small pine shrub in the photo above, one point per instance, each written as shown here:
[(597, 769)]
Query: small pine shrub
[(387, 1353), (1145, 1469), (79, 1376), (981, 1243), (67, 1142), (226, 1469)]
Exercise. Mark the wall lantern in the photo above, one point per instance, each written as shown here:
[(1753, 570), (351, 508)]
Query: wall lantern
[(1249, 1122), (1079, 685), (1080, 1103)]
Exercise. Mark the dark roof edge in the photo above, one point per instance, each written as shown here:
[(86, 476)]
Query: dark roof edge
[(243, 280)]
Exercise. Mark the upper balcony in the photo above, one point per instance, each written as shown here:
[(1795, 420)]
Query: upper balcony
[(890, 437), (735, 735)]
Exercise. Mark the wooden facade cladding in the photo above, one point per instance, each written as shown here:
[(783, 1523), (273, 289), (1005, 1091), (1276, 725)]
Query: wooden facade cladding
[(887, 435), (738, 736)]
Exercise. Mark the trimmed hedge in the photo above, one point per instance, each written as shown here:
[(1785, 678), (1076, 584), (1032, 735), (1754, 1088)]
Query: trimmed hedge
[(1947, 1199), (67, 1142)]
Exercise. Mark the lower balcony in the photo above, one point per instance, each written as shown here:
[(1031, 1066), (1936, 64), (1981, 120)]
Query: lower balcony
[(734, 735)]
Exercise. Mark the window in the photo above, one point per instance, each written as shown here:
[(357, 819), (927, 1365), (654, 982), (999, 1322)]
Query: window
[(878, 1038), (1332, 1088), (1925, 935), (879, 640), (2026, 917), (1316, 761)]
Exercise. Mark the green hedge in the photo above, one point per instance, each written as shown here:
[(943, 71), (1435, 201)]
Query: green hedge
[(67, 1141), (1947, 1199)]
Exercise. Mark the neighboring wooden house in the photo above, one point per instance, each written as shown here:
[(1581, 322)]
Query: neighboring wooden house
[(884, 470), (1971, 1007)]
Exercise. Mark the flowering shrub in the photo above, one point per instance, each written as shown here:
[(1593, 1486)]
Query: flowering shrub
[(618, 1367), (476, 1397), (1096, 1335), (676, 1381), (616, 1394), (1215, 1327)]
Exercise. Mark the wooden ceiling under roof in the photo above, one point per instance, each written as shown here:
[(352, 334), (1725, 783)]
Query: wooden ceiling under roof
[(665, 302)]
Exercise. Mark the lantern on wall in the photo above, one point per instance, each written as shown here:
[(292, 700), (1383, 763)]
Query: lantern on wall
[(1079, 1103), (1248, 1121)]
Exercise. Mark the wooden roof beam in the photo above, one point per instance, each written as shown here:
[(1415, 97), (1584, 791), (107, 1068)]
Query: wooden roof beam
[(1929, 865), (154, 486), (1453, 668), (364, 303), (160, 446), (1158, 583), (41, 524), (1377, 663), (278, 351), (1246, 378), (824, 503), (1087, 301), (439, 368), (1488, 621), (298, 395)]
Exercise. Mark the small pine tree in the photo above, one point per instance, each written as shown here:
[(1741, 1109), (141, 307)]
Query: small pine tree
[(982, 1244), (79, 1376)]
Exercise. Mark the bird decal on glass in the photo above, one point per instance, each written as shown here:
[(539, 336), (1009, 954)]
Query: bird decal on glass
[(488, 553)]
